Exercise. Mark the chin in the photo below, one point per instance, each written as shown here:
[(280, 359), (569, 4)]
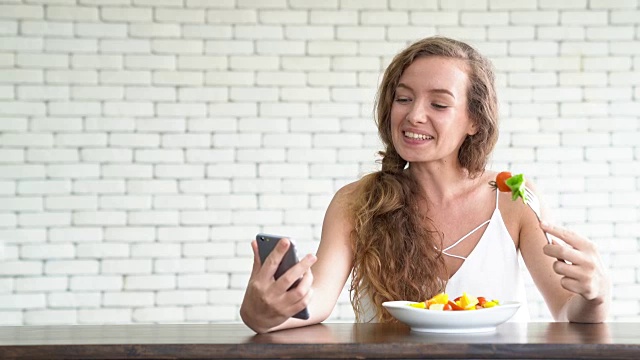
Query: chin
[(411, 157)]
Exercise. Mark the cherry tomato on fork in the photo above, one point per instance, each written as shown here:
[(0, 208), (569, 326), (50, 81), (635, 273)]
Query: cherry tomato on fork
[(501, 179)]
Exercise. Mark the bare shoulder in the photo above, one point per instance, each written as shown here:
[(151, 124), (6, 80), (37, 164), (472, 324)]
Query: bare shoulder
[(337, 225), (343, 198), (349, 192), (507, 204), (511, 210), (340, 213), (488, 176), (518, 216)]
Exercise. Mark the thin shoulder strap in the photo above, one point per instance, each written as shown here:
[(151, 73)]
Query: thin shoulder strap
[(466, 236), (444, 251)]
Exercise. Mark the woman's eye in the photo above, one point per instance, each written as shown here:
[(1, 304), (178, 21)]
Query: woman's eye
[(402, 100), (439, 106)]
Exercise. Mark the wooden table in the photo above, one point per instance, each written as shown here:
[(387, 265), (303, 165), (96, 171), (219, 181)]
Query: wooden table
[(215, 341)]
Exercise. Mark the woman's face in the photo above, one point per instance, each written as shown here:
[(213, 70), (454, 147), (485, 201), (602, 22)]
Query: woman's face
[(429, 119)]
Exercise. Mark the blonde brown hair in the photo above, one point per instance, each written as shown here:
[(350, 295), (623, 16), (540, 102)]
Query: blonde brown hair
[(395, 256)]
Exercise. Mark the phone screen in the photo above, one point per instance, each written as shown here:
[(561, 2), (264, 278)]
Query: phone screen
[(266, 244)]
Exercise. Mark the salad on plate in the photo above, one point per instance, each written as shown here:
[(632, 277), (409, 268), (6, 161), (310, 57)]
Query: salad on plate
[(441, 302), (441, 314)]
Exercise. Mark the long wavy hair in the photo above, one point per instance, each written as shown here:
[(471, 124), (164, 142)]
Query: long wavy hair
[(395, 244)]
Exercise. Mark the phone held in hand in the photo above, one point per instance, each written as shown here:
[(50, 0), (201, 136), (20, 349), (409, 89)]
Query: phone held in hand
[(266, 244)]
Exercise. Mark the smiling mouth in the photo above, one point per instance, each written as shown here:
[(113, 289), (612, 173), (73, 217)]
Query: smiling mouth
[(412, 135)]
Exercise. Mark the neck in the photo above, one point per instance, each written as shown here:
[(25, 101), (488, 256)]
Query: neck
[(441, 183)]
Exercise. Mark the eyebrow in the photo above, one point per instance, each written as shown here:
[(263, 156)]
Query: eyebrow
[(440, 91)]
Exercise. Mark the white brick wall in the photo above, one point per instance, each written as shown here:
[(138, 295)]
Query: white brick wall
[(143, 143)]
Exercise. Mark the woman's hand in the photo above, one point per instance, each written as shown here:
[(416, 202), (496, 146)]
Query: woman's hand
[(582, 271), (267, 303)]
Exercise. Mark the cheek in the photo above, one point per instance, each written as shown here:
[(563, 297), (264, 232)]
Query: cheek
[(397, 115)]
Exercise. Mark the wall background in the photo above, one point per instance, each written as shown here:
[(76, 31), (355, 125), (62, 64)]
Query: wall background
[(143, 143)]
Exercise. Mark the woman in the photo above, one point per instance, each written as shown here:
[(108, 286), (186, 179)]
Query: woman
[(428, 221)]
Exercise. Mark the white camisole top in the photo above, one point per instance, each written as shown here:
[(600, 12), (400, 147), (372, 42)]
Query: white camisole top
[(492, 270)]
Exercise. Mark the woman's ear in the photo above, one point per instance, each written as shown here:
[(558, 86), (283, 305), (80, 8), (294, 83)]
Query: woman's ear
[(473, 129)]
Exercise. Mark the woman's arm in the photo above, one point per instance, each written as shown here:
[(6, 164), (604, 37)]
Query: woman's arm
[(577, 292), (268, 306)]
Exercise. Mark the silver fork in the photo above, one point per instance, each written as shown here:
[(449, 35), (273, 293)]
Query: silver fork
[(532, 200)]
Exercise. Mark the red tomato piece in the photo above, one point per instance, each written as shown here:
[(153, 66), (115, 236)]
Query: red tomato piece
[(454, 306), (500, 181)]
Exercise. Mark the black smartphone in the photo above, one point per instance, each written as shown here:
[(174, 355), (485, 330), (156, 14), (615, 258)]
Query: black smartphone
[(266, 244)]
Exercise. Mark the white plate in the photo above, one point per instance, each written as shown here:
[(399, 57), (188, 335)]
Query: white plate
[(464, 321)]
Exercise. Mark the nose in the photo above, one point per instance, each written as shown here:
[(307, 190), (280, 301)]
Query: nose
[(417, 114)]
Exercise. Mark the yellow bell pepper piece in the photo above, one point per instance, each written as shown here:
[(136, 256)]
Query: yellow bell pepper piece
[(490, 304), (436, 307), (420, 305), (468, 302), (442, 298)]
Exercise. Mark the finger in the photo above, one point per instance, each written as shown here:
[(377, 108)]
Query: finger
[(298, 292), (307, 279), (582, 288), (573, 285), (256, 258), (302, 303), (562, 252), (571, 271), (566, 235), (300, 296), (295, 272), (302, 286), (551, 250), (271, 263), (291, 302)]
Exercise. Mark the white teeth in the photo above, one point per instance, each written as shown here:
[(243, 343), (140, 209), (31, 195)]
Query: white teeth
[(417, 136)]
